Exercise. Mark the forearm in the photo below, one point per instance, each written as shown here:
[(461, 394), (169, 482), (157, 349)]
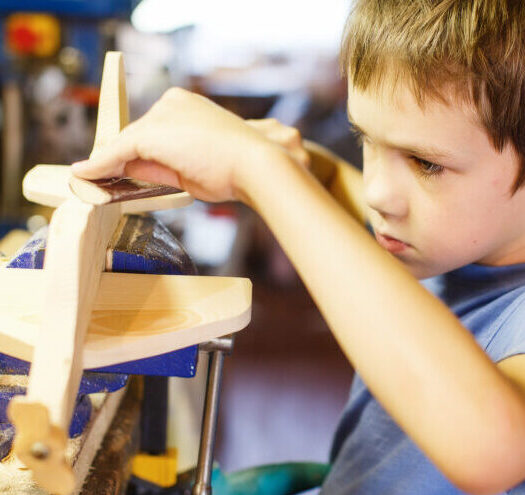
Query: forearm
[(412, 352)]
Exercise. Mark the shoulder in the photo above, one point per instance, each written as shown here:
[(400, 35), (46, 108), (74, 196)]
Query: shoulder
[(508, 330), (490, 302)]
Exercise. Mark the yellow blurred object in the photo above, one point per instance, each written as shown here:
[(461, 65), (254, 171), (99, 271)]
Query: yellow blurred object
[(158, 469), (32, 34), (13, 241)]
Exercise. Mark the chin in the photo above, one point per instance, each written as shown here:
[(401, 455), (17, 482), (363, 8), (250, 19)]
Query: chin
[(422, 270), (421, 274)]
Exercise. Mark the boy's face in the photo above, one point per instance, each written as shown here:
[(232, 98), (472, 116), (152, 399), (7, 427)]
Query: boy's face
[(434, 181)]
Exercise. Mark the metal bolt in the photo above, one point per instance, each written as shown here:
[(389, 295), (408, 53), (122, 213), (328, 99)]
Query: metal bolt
[(40, 450)]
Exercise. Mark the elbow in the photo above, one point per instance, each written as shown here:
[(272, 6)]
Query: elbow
[(491, 483), (491, 478), (481, 485), (495, 468)]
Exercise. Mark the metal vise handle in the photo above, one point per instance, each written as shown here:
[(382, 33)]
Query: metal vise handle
[(217, 349)]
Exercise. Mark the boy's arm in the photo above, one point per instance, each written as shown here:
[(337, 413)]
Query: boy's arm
[(418, 360), (415, 356), (342, 180)]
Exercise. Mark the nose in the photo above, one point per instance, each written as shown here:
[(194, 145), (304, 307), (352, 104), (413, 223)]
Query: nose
[(383, 186)]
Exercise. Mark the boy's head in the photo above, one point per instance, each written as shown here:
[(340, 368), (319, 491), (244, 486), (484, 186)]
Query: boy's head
[(477, 47), (446, 76)]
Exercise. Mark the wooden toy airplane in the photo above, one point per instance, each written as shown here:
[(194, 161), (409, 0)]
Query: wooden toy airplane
[(70, 316)]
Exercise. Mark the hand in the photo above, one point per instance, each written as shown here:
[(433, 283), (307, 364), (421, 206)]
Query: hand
[(286, 136), (186, 141)]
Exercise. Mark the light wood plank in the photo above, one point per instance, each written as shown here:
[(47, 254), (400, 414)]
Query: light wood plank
[(47, 185), (134, 315), (75, 258), (94, 434), (113, 109)]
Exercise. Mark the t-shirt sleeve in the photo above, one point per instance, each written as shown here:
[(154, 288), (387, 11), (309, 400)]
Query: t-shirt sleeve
[(509, 335)]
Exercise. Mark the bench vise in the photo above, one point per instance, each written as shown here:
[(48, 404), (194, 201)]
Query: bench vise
[(143, 245)]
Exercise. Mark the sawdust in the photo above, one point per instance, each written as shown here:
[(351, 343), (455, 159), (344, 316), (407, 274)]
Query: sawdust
[(13, 381), (15, 479)]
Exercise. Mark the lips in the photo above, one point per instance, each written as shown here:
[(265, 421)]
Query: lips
[(391, 244)]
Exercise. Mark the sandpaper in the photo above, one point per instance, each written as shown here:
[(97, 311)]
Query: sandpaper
[(114, 190)]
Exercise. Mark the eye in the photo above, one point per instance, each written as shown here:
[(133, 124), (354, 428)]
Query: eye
[(427, 169)]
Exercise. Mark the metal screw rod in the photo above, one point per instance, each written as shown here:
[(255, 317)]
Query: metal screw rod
[(209, 425)]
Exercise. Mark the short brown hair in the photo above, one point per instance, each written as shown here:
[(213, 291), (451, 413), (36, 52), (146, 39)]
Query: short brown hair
[(478, 46)]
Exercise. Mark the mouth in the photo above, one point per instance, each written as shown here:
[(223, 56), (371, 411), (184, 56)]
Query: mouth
[(391, 244)]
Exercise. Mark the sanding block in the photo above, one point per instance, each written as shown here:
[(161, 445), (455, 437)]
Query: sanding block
[(117, 189)]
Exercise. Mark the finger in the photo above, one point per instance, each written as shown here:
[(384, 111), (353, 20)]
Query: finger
[(263, 124), (300, 157), (110, 161), (292, 136), (151, 171), (303, 157), (86, 170), (284, 135)]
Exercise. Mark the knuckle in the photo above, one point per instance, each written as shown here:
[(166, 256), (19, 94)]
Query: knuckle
[(175, 93), (143, 148), (129, 130), (294, 133), (256, 124), (305, 158)]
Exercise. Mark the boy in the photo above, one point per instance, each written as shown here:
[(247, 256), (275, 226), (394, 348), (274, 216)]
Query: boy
[(437, 91)]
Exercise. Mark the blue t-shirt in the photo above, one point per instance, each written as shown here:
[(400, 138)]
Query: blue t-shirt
[(371, 454)]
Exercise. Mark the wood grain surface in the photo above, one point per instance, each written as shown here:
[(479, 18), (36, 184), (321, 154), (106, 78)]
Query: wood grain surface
[(133, 315)]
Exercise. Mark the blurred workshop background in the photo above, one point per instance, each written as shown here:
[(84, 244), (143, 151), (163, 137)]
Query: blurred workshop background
[(286, 381)]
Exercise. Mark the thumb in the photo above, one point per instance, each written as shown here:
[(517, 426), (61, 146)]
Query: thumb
[(109, 161), (94, 168)]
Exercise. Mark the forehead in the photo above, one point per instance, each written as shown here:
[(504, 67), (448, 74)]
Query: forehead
[(398, 96)]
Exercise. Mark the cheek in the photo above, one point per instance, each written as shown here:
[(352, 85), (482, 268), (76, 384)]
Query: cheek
[(451, 224), (464, 232)]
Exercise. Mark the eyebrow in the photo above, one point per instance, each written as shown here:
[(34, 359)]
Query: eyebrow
[(424, 152)]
